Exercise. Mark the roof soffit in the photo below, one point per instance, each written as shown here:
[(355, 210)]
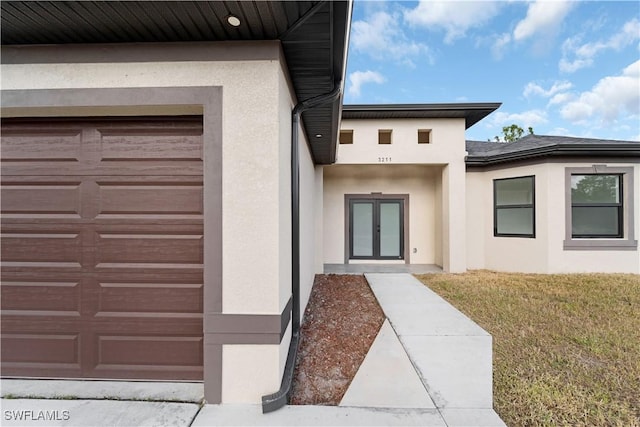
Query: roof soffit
[(314, 36)]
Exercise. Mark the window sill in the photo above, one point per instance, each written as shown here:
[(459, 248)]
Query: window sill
[(600, 245)]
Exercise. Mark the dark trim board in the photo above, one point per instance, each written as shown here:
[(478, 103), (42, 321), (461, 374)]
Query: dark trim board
[(229, 328)]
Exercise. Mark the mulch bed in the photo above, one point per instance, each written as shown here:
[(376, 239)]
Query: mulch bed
[(340, 323)]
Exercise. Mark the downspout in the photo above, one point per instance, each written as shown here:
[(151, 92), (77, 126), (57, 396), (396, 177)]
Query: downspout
[(277, 400)]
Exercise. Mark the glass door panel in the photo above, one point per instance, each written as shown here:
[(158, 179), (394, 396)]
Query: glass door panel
[(390, 229), (362, 229), (376, 229)]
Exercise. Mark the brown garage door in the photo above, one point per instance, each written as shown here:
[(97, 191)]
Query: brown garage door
[(102, 248)]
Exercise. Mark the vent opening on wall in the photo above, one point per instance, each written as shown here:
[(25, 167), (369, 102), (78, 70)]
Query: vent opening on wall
[(384, 136), (424, 136), (346, 137)]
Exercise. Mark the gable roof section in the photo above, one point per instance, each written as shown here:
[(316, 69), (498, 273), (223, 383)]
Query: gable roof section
[(471, 112), (541, 146), (314, 37)]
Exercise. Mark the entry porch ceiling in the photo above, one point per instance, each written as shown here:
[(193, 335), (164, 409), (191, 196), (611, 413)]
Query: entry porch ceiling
[(314, 36)]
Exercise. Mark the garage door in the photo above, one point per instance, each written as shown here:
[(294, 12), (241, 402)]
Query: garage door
[(102, 248)]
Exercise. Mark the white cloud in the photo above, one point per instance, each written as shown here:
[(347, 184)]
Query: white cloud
[(454, 17), (359, 78), (382, 38), (542, 17), (610, 98), (523, 119), (560, 131), (561, 98), (497, 50), (577, 56), (534, 89)]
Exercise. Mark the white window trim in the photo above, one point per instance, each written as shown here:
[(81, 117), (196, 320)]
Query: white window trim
[(627, 242)]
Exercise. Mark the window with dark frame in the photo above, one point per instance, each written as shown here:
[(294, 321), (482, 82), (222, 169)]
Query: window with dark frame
[(384, 136), (424, 136), (596, 206), (346, 137), (514, 207)]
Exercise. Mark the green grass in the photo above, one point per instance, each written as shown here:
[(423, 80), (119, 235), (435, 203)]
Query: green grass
[(566, 348)]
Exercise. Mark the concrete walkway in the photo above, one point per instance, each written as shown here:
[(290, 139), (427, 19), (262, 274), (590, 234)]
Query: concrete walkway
[(429, 366)]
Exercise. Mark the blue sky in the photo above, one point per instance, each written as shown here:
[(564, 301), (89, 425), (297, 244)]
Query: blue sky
[(564, 68)]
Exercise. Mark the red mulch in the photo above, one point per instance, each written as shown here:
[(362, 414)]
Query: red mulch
[(339, 325)]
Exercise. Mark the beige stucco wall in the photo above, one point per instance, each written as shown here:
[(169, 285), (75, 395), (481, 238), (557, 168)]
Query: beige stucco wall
[(256, 199), (447, 142), (545, 253), (418, 181)]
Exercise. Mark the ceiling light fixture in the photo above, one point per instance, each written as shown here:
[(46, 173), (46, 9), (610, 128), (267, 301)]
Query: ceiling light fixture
[(234, 21), (318, 135)]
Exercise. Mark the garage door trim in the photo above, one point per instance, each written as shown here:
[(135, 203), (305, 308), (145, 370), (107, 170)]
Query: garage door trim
[(156, 101)]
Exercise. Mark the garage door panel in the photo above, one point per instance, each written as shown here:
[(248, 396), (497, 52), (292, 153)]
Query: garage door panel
[(150, 298), (130, 250), (33, 298), (48, 199), (155, 351), (41, 248), (23, 144), (147, 168), (34, 348), (87, 168), (150, 198), (147, 372), (125, 144)]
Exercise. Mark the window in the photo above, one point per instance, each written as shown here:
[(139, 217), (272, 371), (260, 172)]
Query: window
[(384, 136), (424, 136), (514, 207), (346, 137), (596, 206), (599, 208)]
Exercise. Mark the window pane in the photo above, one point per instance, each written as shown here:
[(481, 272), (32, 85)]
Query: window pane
[(515, 221), (390, 229), (362, 229), (518, 191), (595, 221), (595, 189)]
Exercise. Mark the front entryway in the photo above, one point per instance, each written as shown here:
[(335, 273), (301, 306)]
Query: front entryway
[(376, 229)]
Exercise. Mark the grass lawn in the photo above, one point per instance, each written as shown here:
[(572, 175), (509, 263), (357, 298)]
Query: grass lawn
[(566, 347)]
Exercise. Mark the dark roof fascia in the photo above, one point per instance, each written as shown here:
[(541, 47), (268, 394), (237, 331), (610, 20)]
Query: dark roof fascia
[(558, 150), (472, 112), (341, 30)]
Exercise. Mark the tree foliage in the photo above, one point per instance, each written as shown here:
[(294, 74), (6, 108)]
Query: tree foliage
[(512, 133)]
